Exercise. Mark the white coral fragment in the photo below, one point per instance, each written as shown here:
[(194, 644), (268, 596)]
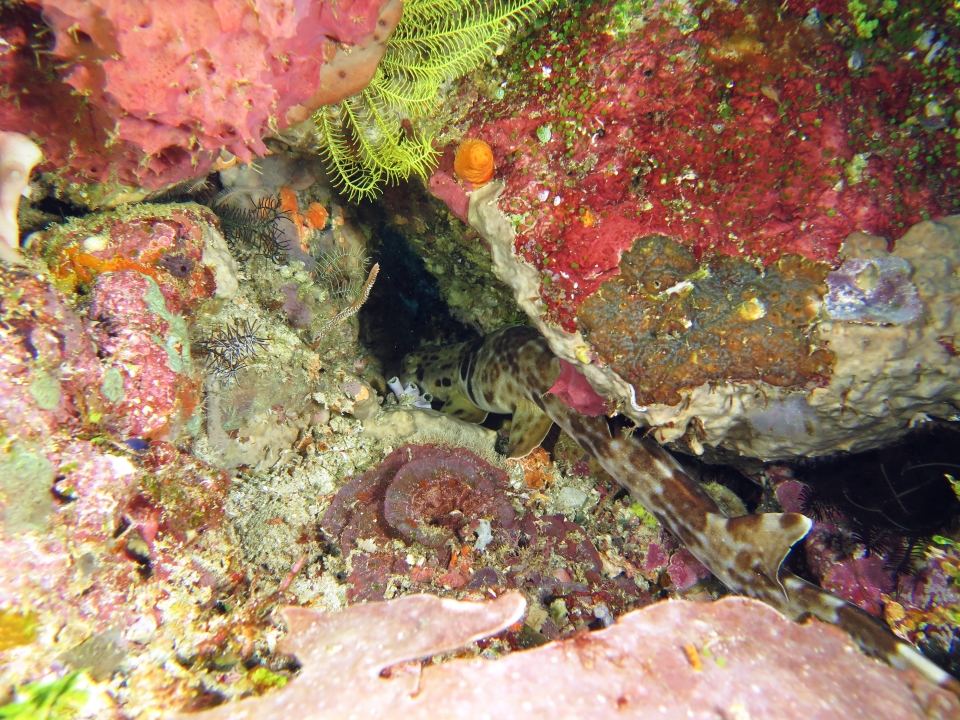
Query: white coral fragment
[(18, 155)]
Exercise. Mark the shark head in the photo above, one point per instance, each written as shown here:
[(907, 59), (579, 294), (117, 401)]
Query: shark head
[(506, 372)]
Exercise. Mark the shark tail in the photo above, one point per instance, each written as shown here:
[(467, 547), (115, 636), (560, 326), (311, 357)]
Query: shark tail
[(872, 635)]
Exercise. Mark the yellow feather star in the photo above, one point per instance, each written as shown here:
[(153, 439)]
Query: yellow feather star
[(436, 41)]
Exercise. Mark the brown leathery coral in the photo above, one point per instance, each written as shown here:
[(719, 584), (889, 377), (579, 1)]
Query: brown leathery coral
[(666, 323), (474, 162)]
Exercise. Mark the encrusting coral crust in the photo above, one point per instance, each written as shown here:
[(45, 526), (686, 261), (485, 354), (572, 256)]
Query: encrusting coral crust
[(666, 324)]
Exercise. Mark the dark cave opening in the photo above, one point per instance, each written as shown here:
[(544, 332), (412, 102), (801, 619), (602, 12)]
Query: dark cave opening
[(902, 490), (405, 309)]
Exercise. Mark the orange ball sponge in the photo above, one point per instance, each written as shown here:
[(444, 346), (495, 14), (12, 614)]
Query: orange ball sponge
[(474, 162)]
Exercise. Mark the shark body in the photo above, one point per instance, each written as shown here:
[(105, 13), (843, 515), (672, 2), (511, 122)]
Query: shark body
[(511, 371)]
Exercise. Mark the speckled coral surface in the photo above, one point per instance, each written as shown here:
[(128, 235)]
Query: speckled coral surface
[(734, 129), (147, 94)]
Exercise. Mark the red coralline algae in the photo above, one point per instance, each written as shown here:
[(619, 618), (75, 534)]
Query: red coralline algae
[(110, 526), (154, 392), (127, 344), (864, 581), (736, 130), (665, 323), (151, 92), (442, 476), (655, 558), (685, 570), (93, 485), (118, 362), (445, 187), (164, 242), (356, 508), (40, 336)]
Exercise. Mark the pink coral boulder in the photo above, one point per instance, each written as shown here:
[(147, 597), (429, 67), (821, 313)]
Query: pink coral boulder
[(735, 658), (150, 92)]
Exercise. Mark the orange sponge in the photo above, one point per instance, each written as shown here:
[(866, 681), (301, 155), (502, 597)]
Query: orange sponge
[(474, 162)]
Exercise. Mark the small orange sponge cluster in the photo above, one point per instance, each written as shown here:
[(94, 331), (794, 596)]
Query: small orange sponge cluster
[(474, 162)]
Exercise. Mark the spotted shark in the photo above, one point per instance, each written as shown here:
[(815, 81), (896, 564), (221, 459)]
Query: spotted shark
[(510, 371)]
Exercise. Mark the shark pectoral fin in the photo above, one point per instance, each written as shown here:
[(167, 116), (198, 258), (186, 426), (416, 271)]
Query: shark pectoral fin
[(766, 540), (459, 407), (530, 426)]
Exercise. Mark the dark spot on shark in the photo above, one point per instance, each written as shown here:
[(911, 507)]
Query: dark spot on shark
[(487, 378), (745, 528), (744, 561), (789, 521), (446, 382), (576, 424)]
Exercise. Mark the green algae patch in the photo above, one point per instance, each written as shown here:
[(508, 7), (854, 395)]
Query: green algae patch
[(265, 679), (667, 324), (177, 343), (25, 481), (112, 385), (16, 629), (645, 517), (46, 391), (47, 700)]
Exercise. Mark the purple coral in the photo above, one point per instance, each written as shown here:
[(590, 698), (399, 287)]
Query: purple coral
[(430, 500), (876, 291), (298, 312), (416, 493)]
